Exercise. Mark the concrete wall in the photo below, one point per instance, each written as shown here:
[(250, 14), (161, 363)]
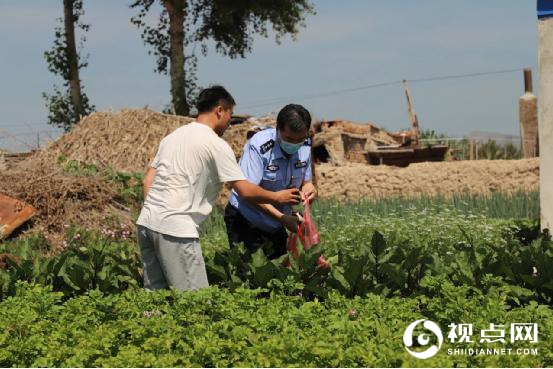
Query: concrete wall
[(545, 94)]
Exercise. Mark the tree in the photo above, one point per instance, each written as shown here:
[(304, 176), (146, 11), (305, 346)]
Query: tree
[(67, 105), (230, 24), (491, 150)]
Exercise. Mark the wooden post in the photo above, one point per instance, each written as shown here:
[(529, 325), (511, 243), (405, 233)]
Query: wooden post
[(472, 150), (3, 165), (545, 92), (528, 111), (313, 174)]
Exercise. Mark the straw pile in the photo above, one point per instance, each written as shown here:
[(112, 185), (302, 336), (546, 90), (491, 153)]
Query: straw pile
[(62, 199), (126, 141)]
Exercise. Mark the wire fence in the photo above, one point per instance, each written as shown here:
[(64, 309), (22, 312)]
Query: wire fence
[(17, 141), (477, 147)]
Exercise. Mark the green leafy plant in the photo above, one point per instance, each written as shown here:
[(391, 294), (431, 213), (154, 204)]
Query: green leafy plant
[(90, 261), (216, 327)]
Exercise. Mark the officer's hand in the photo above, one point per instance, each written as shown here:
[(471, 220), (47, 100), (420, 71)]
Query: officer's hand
[(291, 196), (291, 222), (309, 191)]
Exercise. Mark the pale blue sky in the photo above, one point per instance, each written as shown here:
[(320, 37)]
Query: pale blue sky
[(347, 44)]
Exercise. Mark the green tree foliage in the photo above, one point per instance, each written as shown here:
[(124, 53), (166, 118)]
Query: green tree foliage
[(184, 25), (67, 104), (491, 150)]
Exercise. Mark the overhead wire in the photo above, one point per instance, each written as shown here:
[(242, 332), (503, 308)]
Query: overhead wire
[(272, 101)]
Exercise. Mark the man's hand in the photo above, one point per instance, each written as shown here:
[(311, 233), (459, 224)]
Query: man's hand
[(290, 196), (291, 222), (309, 191)]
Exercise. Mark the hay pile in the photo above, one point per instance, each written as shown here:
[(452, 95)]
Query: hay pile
[(87, 201), (126, 141)]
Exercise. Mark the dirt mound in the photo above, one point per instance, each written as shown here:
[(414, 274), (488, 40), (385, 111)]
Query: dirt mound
[(357, 181)]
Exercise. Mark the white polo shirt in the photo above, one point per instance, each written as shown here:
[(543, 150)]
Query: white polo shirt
[(191, 165)]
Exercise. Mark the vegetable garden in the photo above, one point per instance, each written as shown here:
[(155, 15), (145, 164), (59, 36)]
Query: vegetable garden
[(466, 259)]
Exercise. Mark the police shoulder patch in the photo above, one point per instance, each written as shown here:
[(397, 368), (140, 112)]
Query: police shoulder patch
[(300, 164), (266, 146)]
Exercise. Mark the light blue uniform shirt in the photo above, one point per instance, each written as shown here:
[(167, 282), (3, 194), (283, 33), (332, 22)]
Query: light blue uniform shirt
[(264, 164)]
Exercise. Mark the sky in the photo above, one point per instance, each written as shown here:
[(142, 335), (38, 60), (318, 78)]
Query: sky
[(345, 47)]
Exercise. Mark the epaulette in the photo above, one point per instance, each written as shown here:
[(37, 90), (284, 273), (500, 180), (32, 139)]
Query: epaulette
[(267, 146), (308, 141)]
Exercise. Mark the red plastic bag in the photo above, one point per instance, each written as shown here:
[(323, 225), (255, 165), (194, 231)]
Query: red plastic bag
[(292, 245), (307, 234), (307, 231)]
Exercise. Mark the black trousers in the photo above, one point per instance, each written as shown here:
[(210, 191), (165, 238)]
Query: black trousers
[(239, 229)]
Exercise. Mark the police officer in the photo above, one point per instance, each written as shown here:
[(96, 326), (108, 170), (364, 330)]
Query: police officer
[(274, 159)]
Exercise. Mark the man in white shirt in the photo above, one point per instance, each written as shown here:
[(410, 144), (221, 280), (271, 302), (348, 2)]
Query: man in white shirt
[(180, 188)]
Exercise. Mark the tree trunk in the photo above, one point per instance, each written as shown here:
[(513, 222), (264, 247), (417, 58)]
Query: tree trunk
[(72, 59), (176, 10)]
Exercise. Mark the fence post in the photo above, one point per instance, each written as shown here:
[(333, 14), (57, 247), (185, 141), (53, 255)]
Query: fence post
[(472, 150), (528, 112)]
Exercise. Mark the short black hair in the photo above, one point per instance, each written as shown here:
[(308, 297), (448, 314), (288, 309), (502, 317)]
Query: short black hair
[(212, 96), (295, 117)]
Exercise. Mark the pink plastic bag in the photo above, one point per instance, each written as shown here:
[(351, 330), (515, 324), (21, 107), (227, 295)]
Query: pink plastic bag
[(307, 231), (307, 234)]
